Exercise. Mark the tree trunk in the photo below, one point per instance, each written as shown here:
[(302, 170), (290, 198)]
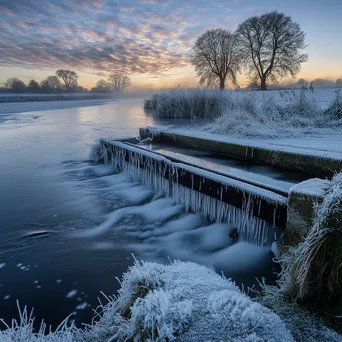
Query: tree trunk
[(263, 85), (221, 83)]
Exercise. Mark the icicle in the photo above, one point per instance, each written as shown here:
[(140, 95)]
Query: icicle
[(154, 175)]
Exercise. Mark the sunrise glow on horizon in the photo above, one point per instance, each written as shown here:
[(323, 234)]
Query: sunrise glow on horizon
[(150, 40)]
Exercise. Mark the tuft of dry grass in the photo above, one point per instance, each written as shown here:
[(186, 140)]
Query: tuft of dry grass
[(312, 271)]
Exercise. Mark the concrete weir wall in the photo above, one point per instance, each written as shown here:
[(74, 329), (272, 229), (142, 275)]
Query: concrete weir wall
[(301, 197), (309, 164)]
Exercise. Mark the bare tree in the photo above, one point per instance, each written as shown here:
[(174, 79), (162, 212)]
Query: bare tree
[(69, 78), (33, 86), (102, 86), (215, 57), (50, 83), (271, 47), (118, 82), (14, 84)]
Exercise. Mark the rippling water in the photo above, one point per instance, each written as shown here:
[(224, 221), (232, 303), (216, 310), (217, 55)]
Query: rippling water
[(68, 227)]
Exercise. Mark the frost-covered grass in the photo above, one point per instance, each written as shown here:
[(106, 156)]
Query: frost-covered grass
[(188, 103), (312, 271), (22, 330), (183, 301), (176, 302), (291, 114), (311, 275), (304, 325)]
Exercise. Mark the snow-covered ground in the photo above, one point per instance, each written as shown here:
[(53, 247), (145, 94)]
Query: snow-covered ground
[(15, 98)]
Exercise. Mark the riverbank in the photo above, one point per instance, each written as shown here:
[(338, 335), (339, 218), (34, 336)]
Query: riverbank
[(10, 98)]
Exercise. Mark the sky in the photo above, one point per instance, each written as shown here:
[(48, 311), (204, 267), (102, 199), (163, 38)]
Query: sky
[(150, 40)]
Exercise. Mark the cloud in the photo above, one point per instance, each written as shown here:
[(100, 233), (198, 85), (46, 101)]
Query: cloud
[(136, 37)]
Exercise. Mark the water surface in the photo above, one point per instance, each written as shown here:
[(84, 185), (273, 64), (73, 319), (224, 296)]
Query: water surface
[(56, 252)]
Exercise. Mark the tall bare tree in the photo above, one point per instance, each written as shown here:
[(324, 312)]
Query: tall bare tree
[(215, 57), (69, 78), (271, 47), (119, 82)]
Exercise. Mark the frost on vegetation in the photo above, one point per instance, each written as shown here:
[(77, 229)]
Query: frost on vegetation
[(312, 271), (297, 113), (183, 302), (334, 111), (188, 103), (95, 151), (304, 325), (22, 330)]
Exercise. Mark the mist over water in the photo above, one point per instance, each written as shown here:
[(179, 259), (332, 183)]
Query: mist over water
[(69, 226)]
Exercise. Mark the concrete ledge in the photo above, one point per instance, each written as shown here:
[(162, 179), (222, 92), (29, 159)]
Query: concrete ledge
[(300, 208), (316, 166)]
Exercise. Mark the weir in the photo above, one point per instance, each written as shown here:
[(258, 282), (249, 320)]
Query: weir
[(312, 163), (258, 200)]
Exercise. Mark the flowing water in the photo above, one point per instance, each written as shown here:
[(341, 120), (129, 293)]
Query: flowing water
[(68, 226)]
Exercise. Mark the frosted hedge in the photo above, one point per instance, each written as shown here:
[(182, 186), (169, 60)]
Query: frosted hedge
[(188, 103), (294, 113)]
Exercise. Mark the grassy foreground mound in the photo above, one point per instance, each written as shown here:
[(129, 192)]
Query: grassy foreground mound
[(176, 302), (184, 302)]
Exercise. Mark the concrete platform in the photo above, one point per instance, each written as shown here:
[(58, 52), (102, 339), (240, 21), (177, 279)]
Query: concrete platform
[(314, 162)]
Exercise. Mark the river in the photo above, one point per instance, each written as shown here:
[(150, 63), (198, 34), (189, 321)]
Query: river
[(52, 198)]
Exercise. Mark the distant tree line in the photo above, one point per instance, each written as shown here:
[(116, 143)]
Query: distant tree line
[(65, 81), (114, 83), (320, 83), (267, 48)]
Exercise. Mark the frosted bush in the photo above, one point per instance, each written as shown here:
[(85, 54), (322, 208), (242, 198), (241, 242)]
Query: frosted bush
[(95, 151), (244, 114), (188, 103), (298, 115), (302, 103), (335, 109), (184, 302)]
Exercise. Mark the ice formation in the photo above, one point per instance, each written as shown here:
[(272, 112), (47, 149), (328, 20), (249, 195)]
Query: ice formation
[(162, 174)]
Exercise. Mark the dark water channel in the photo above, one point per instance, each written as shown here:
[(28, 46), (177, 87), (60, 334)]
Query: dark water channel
[(68, 226)]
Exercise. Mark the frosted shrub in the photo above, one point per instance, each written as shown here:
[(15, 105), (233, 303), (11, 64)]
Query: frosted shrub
[(242, 113), (184, 302), (188, 103), (298, 115), (302, 104), (334, 111), (95, 151), (181, 301), (245, 116)]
